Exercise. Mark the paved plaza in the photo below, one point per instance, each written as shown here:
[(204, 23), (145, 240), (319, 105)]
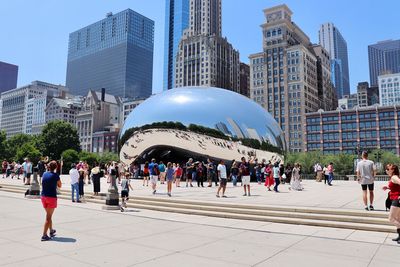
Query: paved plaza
[(90, 236)]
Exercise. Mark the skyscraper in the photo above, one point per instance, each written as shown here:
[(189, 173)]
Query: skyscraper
[(284, 76), (384, 58), (176, 21), (332, 40), (205, 58), (8, 76), (115, 53)]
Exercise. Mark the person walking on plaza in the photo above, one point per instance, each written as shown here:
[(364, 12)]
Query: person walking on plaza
[(4, 165), (81, 183), (211, 177), (125, 186), (394, 195), (199, 174), (295, 183), (27, 166), (223, 178), (146, 173), (325, 173), (41, 169), (96, 175), (178, 175), (269, 178), (277, 178), (366, 172), (170, 177), (161, 167), (318, 171), (74, 175), (50, 182), (330, 173), (154, 172), (245, 173)]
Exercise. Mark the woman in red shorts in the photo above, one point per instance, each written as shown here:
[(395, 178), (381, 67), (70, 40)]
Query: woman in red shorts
[(394, 187), (50, 182)]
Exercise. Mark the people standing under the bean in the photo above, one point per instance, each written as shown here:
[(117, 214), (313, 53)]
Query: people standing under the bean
[(50, 182), (258, 170), (366, 172), (170, 177), (288, 173), (330, 173), (245, 173), (211, 177), (81, 182), (74, 176), (146, 174), (154, 172), (189, 172), (326, 174), (277, 177), (161, 167), (295, 183), (96, 175), (223, 178), (269, 178), (394, 186), (282, 173), (234, 173), (199, 174), (178, 175)]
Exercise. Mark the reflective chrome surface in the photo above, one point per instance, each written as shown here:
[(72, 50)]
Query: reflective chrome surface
[(224, 110)]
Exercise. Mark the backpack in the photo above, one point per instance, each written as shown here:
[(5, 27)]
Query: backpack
[(156, 170)]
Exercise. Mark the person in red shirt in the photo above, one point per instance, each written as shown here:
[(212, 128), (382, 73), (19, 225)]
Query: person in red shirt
[(178, 175), (394, 195)]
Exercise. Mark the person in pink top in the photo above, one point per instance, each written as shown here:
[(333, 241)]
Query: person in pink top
[(330, 175)]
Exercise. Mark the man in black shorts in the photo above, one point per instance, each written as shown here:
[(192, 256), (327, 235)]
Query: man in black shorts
[(223, 178), (366, 172)]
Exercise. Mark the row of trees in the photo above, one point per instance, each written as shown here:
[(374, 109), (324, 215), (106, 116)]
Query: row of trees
[(343, 163), (58, 140)]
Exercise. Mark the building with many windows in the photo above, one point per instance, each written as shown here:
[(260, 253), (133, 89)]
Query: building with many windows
[(63, 109), (8, 76), (99, 112), (344, 131), (366, 95), (205, 58), (23, 108), (176, 21), (115, 53), (284, 76), (244, 79), (389, 89), (384, 58), (332, 40), (128, 106)]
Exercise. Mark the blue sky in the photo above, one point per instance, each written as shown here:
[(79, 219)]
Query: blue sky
[(34, 34)]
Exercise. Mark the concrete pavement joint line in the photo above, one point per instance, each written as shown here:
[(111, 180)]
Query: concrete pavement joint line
[(156, 258), (280, 251), (373, 256)]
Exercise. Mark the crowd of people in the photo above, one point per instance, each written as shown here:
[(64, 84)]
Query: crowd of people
[(271, 174)]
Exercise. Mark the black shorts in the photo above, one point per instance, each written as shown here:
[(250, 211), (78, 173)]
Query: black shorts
[(395, 203), (370, 187), (223, 182), (124, 193)]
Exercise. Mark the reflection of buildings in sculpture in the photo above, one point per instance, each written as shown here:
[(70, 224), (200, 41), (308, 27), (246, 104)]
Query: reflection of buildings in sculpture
[(236, 128), (175, 124), (252, 133), (223, 128)]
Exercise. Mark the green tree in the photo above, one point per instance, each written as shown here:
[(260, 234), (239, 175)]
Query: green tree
[(28, 150), (15, 142), (90, 158), (107, 157), (58, 136), (3, 144), (69, 156)]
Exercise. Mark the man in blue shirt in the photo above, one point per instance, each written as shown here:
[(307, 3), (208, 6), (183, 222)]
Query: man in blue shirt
[(154, 172)]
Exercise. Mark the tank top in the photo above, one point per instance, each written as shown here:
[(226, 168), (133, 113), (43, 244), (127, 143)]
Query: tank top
[(394, 190)]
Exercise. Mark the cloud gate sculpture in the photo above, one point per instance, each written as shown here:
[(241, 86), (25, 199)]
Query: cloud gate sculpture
[(200, 122)]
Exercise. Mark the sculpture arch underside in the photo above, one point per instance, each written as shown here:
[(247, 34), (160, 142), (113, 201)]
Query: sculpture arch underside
[(178, 145)]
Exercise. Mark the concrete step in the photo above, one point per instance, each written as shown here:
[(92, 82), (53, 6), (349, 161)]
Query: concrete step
[(291, 215)]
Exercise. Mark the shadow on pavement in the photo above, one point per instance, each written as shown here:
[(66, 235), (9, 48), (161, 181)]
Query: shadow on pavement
[(64, 239)]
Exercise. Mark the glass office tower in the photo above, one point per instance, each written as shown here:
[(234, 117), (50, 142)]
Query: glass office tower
[(8, 76), (384, 58), (176, 20), (115, 53)]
